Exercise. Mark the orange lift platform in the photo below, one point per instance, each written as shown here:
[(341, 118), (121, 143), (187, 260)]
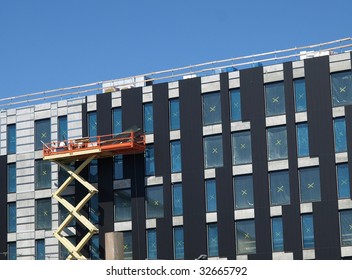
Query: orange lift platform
[(86, 149)]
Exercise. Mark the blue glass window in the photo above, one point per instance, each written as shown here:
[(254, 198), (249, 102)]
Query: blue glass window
[(243, 186), (177, 201), (40, 249), (122, 203), (154, 202), (275, 99), (299, 87), (235, 99), (63, 212), (62, 133), (151, 244), (148, 118), (94, 247), (340, 135), (149, 161), (63, 174), (213, 244), (343, 181), (43, 213), (127, 245), (118, 167), (11, 251), (277, 143), (277, 234), (210, 193), (279, 187), (309, 180), (176, 163), (245, 237), (179, 245), (94, 209), (11, 217), (11, 178), (116, 120), (211, 108), (93, 171), (241, 148), (174, 114), (302, 140), (341, 87), (42, 133), (213, 154), (63, 252), (42, 174), (307, 231), (92, 124), (346, 227), (11, 139)]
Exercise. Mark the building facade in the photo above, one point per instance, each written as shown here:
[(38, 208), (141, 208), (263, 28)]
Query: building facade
[(242, 164)]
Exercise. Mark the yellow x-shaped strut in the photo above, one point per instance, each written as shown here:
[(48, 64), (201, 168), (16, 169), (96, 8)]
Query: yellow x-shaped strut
[(74, 251)]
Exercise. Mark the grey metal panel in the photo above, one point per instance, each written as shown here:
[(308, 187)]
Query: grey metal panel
[(133, 168), (224, 189), (195, 237), (253, 109), (163, 168), (321, 143), (291, 213)]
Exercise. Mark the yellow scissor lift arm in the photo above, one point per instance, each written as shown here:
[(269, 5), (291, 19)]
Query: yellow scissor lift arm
[(86, 149)]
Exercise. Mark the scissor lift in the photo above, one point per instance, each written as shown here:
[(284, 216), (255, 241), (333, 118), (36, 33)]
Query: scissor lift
[(85, 150)]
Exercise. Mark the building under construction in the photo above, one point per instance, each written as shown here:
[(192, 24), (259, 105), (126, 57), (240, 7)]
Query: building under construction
[(244, 158)]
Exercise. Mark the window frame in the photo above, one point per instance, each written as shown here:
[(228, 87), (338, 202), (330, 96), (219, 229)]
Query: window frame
[(128, 211), (205, 117), (44, 227), (275, 99), (219, 160), (38, 145), (11, 139), (150, 212), (283, 154)]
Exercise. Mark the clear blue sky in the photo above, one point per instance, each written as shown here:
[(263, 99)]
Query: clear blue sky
[(51, 44)]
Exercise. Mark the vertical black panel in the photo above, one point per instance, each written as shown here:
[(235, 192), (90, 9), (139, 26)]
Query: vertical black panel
[(163, 168), (81, 191), (253, 109), (194, 221), (348, 116), (105, 168), (3, 206), (133, 168), (224, 189), (291, 213), (321, 143)]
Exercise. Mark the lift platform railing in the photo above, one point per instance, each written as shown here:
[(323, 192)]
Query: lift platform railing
[(122, 143)]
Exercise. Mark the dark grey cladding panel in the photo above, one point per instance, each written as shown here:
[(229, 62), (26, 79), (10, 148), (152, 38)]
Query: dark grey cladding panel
[(105, 167), (3, 206), (195, 237), (133, 168), (253, 110), (321, 143), (291, 213), (348, 116), (132, 108), (163, 168), (224, 188), (104, 116)]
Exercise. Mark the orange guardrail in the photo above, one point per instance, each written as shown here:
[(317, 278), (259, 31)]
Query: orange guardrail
[(122, 143)]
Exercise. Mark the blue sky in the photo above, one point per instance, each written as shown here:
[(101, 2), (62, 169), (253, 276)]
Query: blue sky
[(52, 44)]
